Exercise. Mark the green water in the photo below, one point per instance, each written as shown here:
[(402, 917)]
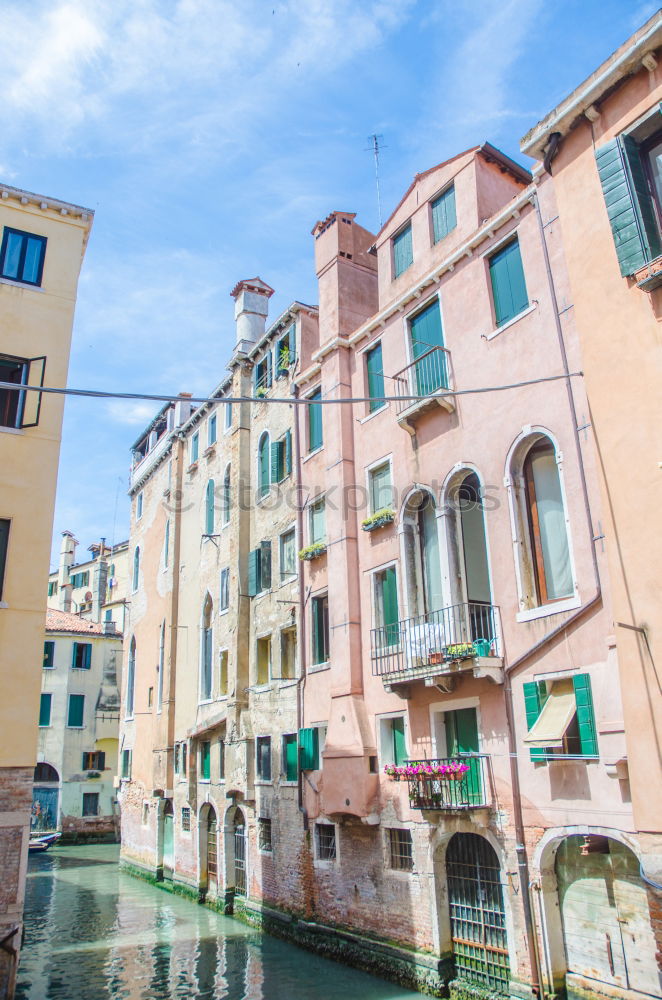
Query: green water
[(93, 932)]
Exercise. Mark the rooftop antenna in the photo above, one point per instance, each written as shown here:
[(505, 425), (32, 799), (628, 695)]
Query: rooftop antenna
[(374, 147)]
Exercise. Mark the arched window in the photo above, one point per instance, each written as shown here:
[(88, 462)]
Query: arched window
[(159, 680), (206, 650), (131, 679), (468, 564), (548, 534), (209, 508), (136, 568), (227, 499), (423, 566), (263, 463), (45, 772)]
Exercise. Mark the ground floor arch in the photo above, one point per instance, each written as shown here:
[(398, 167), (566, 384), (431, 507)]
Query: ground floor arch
[(236, 854), (168, 839), (208, 848)]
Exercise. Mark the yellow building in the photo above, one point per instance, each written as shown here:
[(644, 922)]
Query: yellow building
[(42, 243)]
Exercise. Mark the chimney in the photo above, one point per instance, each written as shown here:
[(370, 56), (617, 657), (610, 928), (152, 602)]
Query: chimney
[(67, 559), (346, 273), (251, 306), (99, 582), (183, 408)]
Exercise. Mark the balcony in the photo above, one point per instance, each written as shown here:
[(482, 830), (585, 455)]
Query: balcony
[(437, 646), (471, 789), (428, 377)]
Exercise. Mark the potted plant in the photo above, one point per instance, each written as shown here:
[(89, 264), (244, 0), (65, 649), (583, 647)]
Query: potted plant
[(312, 551), (386, 515), (260, 392), (460, 651)]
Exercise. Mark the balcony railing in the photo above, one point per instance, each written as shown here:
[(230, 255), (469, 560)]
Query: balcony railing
[(426, 377), (415, 646), (471, 789)]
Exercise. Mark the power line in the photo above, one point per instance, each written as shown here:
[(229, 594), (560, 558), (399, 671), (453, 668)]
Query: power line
[(302, 400)]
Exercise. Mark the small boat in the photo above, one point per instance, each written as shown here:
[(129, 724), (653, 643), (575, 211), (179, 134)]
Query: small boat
[(42, 842)]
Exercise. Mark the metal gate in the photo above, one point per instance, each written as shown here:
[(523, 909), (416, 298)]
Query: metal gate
[(212, 849), (240, 859), (478, 922)]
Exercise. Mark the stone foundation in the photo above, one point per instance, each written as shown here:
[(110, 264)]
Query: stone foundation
[(15, 806)]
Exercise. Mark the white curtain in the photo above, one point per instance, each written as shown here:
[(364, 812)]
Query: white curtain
[(553, 533)]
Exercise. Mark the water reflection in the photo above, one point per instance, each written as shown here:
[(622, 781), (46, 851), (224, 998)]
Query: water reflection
[(94, 933)]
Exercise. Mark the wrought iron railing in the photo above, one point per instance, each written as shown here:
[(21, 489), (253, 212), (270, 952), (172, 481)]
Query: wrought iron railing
[(427, 375), (461, 631), (470, 789)]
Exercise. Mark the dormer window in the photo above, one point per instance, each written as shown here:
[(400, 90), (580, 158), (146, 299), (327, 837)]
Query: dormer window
[(403, 254)]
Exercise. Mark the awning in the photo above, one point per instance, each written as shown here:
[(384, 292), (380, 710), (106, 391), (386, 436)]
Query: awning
[(558, 712)]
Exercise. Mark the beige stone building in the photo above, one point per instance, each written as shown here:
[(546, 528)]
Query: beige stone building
[(94, 588), (42, 242)]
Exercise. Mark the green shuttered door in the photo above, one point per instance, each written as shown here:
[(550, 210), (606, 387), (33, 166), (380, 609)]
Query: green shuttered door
[(291, 757), (375, 369), (425, 331), (399, 745), (309, 746), (315, 422), (76, 706), (390, 605), (535, 696)]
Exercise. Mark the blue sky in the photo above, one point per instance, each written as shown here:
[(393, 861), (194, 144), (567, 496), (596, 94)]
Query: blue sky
[(209, 136)]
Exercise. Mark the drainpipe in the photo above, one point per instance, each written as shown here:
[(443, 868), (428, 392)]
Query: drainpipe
[(301, 682)]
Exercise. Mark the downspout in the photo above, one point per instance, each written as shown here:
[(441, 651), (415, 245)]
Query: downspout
[(518, 816), (301, 682)]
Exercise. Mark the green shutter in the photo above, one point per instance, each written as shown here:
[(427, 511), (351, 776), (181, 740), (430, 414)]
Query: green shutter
[(628, 202), (288, 453), (264, 465), (315, 437), (73, 655), (253, 572), (87, 657), (508, 284), (265, 565), (402, 251), (49, 653), (101, 760), (399, 745), (45, 710), (291, 757), (277, 461), (269, 360), (75, 713), (375, 369), (292, 343), (320, 637), (390, 606), (426, 332), (535, 696), (588, 736), (209, 508), (4, 541), (205, 756), (444, 216), (309, 747)]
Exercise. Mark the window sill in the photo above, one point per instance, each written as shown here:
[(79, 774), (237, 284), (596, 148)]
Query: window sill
[(11, 430), (204, 781), (288, 784), (511, 322), (316, 667), (206, 701), (547, 610), (264, 781), (259, 688), (375, 413), (223, 611), (288, 682), (21, 284), (311, 454)]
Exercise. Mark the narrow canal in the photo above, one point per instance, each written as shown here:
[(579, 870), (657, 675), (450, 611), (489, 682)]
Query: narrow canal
[(93, 932)]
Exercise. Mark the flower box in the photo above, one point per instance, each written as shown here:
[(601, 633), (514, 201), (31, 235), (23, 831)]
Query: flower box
[(377, 520), (460, 651), (312, 551)]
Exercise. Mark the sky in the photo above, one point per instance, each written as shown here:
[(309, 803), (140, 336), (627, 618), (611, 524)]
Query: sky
[(210, 135)]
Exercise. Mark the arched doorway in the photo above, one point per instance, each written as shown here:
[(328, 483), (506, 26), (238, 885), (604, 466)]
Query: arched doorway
[(212, 850), (168, 839), (239, 841), (477, 914), (604, 914), (45, 799)]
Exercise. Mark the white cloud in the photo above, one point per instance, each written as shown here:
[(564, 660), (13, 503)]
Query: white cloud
[(130, 413)]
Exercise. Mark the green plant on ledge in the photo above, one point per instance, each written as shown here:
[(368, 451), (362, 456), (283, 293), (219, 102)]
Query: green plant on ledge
[(260, 392), (312, 551), (460, 651), (386, 515)]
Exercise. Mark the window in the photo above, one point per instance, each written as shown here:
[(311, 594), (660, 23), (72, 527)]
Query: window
[(17, 407), (400, 854), (508, 285), (195, 447), (90, 803), (49, 654), (288, 653), (139, 506), (78, 580), (259, 569), (281, 458), (150, 697), (288, 554), (81, 658), (186, 819), (136, 569), (386, 607), (166, 545), (381, 487), (76, 711), (560, 718), (403, 254), (52, 588), (290, 758), (211, 430), (286, 352), (320, 614), (224, 599), (94, 760), (45, 710), (317, 521), (176, 763), (223, 673), (315, 435), (264, 842), (375, 372), (184, 759), (392, 740), (263, 758), (22, 256), (309, 747), (209, 508), (4, 540), (127, 756), (228, 416), (430, 370), (263, 468), (548, 536), (630, 173), (226, 499), (325, 840), (205, 760), (145, 813), (206, 650), (263, 659), (444, 217), (262, 375), (221, 759)]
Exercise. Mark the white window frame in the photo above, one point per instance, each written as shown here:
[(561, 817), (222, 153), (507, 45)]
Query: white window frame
[(369, 469), (381, 722), (321, 497), (292, 576), (438, 725)]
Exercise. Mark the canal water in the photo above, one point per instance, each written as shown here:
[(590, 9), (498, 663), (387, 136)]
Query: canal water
[(93, 932)]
